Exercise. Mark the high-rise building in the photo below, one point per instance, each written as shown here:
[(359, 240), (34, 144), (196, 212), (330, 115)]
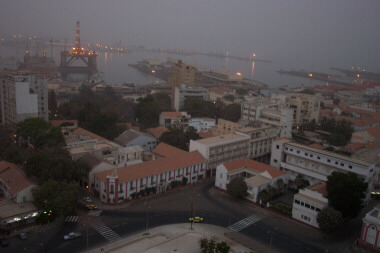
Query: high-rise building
[(305, 106), (22, 95), (181, 74), (184, 92)]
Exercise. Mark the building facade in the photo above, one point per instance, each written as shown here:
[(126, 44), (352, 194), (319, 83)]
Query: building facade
[(201, 124), (316, 164), (309, 202), (181, 74), (224, 127), (221, 149), (261, 139), (179, 119), (22, 96), (305, 106), (183, 92), (118, 185), (371, 229)]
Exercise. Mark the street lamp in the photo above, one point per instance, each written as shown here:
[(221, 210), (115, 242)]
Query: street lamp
[(147, 213), (271, 238)]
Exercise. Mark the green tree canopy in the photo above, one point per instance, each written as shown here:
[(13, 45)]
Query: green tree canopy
[(329, 219), (300, 182), (149, 108), (231, 112), (175, 137), (238, 187), (198, 107), (60, 197), (346, 192)]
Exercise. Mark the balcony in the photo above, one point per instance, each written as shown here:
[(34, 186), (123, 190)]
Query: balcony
[(303, 171)]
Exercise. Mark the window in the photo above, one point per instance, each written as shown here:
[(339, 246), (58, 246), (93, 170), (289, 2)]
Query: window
[(318, 157), (328, 160), (306, 154), (311, 155), (275, 160), (221, 175), (307, 205), (341, 164), (302, 203), (286, 148), (291, 149), (318, 209), (336, 163), (312, 207), (298, 151), (350, 166), (297, 201)]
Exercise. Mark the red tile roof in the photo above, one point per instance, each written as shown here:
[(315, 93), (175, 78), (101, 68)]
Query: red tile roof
[(205, 134), (319, 187), (165, 150), (80, 130), (374, 131), (158, 131), (316, 145), (171, 114), (60, 122), (261, 167), (155, 167), (14, 177), (354, 146)]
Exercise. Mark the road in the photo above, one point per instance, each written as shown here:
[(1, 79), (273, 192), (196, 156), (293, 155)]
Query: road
[(264, 227)]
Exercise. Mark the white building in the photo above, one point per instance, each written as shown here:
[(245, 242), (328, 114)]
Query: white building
[(305, 106), (309, 202), (260, 144), (221, 149), (258, 176), (371, 229), (179, 119), (118, 185), (268, 111), (201, 124), (22, 96), (183, 92), (316, 164), (15, 184)]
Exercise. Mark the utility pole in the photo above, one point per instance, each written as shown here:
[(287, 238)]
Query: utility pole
[(192, 216)]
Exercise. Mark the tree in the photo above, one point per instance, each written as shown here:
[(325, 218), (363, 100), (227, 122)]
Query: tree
[(6, 137), (264, 196), (60, 197), (312, 125), (329, 219), (175, 137), (300, 182), (231, 112), (238, 187), (149, 108), (53, 106), (210, 246), (346, 192), (198, 107), (33, 129), (191, 134)]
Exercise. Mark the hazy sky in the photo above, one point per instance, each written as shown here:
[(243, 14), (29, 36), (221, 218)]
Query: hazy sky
[(320, 32)]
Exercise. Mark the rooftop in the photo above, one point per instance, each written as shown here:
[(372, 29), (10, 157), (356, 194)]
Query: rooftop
[(254, 165), (173, 114), (331, 154), (319, 187), (14, 177), (257, 180), (222, 138), (155, 167), (9, 208), (129, 135), (158, 131), (80, 130), (165, 150)]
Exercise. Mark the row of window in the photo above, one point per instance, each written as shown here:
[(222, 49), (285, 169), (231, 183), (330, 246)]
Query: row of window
[(298, 202)]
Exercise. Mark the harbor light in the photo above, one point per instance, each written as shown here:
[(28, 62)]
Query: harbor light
[(311, 74), (153, 71), (238, 73)]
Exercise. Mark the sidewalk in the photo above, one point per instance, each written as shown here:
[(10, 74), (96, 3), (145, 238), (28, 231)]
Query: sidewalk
[(172, 238)]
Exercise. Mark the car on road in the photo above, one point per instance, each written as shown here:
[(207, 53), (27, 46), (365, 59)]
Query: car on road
[(196, 219), (71, 235), (4, 242), (22, 236), (87, 199), (91, 207)]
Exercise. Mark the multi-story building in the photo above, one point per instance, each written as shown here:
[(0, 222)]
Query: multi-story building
[(220, 92), (178, 119), (221, 149), (132, 138), (22, 96), (201, 124), (316, 164), (305, 106), (309, 202), (371, 229), (181, 74), (258, 176), (118, 185), (261, 139), (268, 111), (182, 92), (224, 127)]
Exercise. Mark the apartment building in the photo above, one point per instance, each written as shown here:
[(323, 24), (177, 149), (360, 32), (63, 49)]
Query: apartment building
[(309, 202), (260, 143), (117, 185), (179, 119), (305, 106), (22, 95), (183, 92), (316, 164), (221, 149), (224, 127), (268, 111)]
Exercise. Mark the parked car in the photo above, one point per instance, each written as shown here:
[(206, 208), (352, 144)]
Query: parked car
[(4, 242), (196, 219), (87, 199), (72, 235), (22, 236), (91, 207)]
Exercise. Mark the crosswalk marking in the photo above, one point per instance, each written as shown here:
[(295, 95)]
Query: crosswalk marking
[(95, 212), (105, 231), (72, 219), (244, 223)]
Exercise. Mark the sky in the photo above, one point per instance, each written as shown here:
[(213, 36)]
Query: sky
[(300, 32)]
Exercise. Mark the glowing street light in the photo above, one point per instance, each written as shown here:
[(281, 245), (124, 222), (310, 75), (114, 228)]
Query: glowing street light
[(153, 71), (238, 73)]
